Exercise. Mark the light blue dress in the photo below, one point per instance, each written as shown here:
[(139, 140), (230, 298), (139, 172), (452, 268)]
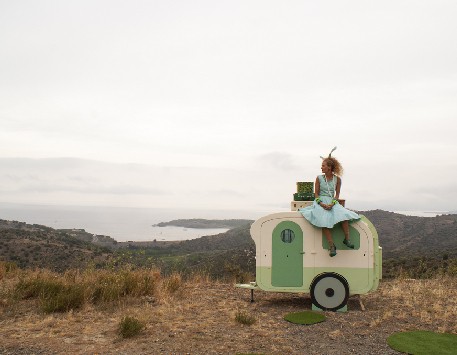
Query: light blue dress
[(320, 217)]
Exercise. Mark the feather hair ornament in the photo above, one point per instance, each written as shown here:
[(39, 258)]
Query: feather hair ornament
[(330, 155)]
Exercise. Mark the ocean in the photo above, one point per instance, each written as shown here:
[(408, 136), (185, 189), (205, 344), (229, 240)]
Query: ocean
[(132, 224), (122, 224)]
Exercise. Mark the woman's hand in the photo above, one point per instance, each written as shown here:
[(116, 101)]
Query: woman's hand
[(326, 207)]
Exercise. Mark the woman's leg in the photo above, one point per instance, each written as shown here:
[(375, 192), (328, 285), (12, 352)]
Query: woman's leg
[(346, 241), (331, 245), (328, 235), (345, 225)]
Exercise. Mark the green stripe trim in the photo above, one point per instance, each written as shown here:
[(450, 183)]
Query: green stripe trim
[(361, 280)]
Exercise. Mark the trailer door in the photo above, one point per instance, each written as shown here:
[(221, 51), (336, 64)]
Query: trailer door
[(287, 255)]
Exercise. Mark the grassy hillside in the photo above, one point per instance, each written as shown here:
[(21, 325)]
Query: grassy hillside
[(415, 247), (226, 255), (35, 246), (409, 235)]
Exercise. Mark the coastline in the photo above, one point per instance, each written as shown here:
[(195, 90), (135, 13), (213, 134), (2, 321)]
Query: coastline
[(136, 224), (121, 224)]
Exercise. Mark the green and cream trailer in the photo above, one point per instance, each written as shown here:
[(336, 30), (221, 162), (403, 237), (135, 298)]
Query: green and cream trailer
[(292, 256)]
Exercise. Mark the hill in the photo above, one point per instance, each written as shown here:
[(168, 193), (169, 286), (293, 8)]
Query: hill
[(402, 235), (205, 223), (230, 254), (198, 314), (412, 246), (36, 246), (399, 235), (416, 247)]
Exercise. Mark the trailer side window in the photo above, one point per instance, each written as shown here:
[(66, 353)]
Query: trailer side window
[(287, 236)]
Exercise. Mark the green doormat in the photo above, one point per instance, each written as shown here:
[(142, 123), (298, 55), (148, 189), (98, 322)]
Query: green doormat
[(306, 317), (423, 343)]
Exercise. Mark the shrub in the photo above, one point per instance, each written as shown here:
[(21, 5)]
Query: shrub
[(105, 287), (173, 283), (146, 282), (29, 288), (129, 327), (63, 299), (109, 286), (243, 317), (54, 294)]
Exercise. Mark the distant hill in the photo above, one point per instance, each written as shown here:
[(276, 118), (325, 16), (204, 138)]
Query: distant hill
[(229, 254), (232, 239), (205, 223), (415, 246), (401, 235), (412, 246), (37, 246), (100, 240)]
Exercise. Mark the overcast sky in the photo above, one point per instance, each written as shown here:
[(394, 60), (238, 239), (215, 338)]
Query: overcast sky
[(226, 104)]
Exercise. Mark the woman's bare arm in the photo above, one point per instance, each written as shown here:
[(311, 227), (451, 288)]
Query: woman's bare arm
[(338, 188), (317, 188)]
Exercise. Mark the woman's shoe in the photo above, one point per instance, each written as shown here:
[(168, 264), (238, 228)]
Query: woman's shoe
[(348, 243), (332, 250)]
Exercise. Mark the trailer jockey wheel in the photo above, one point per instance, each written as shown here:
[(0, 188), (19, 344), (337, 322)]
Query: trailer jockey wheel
[(329, 291)]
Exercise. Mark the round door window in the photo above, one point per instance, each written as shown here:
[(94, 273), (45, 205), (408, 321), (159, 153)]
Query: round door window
[(287, 236)]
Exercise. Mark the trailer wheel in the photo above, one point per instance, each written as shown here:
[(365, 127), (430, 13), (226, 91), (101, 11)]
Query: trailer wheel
[(329, 291)]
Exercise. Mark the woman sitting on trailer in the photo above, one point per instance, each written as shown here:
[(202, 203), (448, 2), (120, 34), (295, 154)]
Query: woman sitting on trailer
[(326, 212)]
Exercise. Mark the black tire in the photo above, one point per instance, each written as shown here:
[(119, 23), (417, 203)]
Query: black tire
[(329, 291)]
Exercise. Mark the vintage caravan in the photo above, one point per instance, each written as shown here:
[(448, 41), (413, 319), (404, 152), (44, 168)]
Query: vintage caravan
[(292, 256)]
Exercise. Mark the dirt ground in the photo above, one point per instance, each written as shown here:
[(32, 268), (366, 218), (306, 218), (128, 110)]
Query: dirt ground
[(201, 320)]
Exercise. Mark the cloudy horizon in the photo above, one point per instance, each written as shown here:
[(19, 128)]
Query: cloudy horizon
[(226, 105)]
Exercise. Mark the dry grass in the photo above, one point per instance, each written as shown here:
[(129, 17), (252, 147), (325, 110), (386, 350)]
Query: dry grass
[(199, 316), (74, 289), (7, 269), (431, 301)]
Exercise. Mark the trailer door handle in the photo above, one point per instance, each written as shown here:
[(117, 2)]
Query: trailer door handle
[(302, 252)]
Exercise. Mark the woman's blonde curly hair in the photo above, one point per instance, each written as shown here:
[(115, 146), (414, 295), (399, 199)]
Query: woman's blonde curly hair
[(335, 165)]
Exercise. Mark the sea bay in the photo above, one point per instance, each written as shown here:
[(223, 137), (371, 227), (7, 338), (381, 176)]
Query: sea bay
[(122, 224)]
